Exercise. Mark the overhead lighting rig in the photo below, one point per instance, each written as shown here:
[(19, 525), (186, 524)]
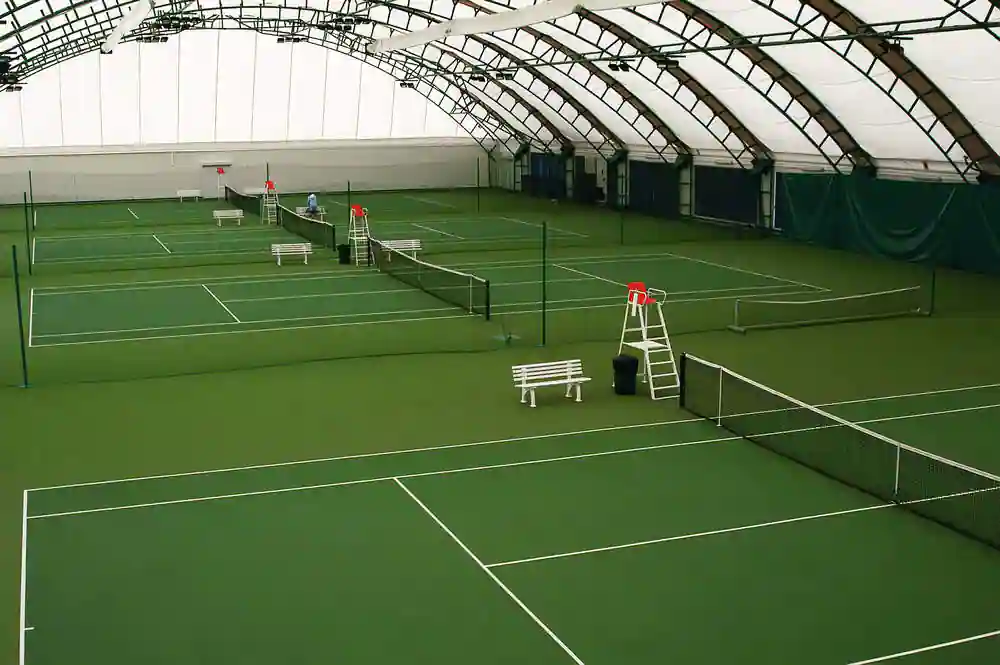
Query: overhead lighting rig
[(290, 40), (619, 66), (505, 76)]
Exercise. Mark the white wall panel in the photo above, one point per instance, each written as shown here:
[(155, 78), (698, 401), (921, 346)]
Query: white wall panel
[(120, 95), (41, 110), (235, 86), (343, 89), (375, 109), (307, 92), (271, 85), (10, 120), (81, 92), (196, 101), (158, 92), (439, 123), (409, 113)]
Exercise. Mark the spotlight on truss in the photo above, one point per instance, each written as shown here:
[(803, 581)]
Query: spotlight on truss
[(664, 62), (15, 88), (289, 40), (620, 66), (505, 76), (409, 85), (478, 78)]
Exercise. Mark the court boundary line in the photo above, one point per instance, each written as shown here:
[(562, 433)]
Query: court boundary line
[(499, 309), (689, 536), (746, 271), (24, 577), (466, 266), (222, 304), (474, 444), (930, 647), (483, 467), (738, 529), (543, 226), (590, 275), (444, 233), (132, 213), (534, 617), (167, 249), (440, 204)]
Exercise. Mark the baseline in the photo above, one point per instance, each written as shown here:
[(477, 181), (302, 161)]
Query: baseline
[(931, 647)]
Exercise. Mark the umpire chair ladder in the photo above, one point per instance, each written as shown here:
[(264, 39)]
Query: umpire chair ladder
[(645, 329)]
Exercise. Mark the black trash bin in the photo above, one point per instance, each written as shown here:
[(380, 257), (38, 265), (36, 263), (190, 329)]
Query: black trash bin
[(344, 252), (626, 370)]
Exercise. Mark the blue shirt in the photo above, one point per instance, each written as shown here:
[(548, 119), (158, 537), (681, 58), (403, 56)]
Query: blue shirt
[(311, 203)]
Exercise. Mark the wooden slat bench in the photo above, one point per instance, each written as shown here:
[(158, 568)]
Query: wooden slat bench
[(220, 215), (188, 194), (567, 373), (411, 246), (303, 249), (304, 211)]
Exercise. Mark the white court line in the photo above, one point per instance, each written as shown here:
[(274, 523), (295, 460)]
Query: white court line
[(734, 529), (542, 226), (167, 249), (613, 301), (24, 575), (510, 594), (444, 233), (447, 472), (132, 213), (147, 255), (744, 270), (932, 647), (31, 317), (489, 442), (690, 536), (420, 199), (590, 275), (216, 299), (245, 230), (34, 246)]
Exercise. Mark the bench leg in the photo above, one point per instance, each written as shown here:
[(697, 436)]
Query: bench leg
[(306, 257), (279, 259), (569, 389), (524, 395), (579, 396), (532, 398)]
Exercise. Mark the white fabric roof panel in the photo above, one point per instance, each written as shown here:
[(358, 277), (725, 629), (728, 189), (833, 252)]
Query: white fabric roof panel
[(233, 85)]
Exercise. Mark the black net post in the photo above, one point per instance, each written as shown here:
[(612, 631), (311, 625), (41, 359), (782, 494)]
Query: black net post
[(20, 317), (681, 374), (31, 192), (348, 195), (478, 185), (27, 233), (267, 171), (545, 252)]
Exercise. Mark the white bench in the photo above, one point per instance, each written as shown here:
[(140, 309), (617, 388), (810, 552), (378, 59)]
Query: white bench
[(303, 249), (304, 211), (188, 194), (411, 246), (567, 373), (220, 215)]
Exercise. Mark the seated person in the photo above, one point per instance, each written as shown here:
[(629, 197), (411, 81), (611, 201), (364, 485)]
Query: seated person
[(312, 206)]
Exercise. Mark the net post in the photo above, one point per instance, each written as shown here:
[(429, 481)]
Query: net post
[(20, 317), (545, 235), (681, 379), (895, 482), (488, 304), (27, 234), (31, 190), (478, 185), (718, 418), (348, 194), (267, 171)]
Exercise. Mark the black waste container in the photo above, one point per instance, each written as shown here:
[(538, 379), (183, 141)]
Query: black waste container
[(626, 370), (344, 252)]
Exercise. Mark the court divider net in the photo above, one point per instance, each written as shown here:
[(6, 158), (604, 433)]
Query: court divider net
[(761, 314), (248, 204), (316, 231), (952, 494), (464, 290)]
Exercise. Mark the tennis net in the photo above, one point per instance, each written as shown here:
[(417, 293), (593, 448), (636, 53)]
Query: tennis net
[(957, 496), (248, 204), (469, 292), (316, 231), (751, 314)]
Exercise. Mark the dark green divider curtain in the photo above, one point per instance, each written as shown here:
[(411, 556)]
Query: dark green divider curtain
[(729, 194), (654, 189), (584, 184), (951, 225), (547, 178)]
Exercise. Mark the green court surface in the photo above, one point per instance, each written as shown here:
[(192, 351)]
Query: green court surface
[(665, 542)]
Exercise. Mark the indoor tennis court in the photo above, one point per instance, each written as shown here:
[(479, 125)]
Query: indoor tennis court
[(634, 543), (80, 314)]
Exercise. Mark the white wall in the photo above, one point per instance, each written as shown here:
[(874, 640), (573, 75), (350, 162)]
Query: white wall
[(139, 173)]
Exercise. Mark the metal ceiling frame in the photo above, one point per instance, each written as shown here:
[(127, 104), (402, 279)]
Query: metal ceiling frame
[(983, 158)]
